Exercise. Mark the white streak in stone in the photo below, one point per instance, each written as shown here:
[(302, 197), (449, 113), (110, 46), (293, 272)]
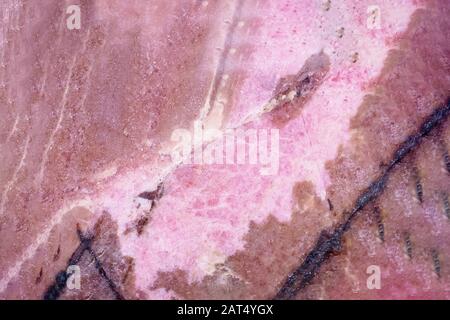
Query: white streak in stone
[(13, 129), (13, 179), (62, 110)]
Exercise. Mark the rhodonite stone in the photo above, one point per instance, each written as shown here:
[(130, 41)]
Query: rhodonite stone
[(224, 149)]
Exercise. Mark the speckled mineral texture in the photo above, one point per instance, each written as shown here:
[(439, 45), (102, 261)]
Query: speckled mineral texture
[(355, 96)]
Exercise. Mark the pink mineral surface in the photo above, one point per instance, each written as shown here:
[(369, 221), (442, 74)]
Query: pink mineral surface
[(225, 149)]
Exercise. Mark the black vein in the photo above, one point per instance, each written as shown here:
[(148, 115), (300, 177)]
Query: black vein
[(57, 288), (102, 272), (330, 243)]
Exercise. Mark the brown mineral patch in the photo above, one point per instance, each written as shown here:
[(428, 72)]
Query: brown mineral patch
[(256, 272), (141, 222), (93, 286), (38, 272), (293, 92), (118, 270), (414, 258)]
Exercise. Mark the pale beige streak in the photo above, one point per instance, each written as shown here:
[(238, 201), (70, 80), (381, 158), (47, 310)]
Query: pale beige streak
[(13, 129), (218, 59), (90, 68), (51, 141), (58, 125), (9, 12), (43, 237), (13, 179), (47, 60), (57, 218)]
